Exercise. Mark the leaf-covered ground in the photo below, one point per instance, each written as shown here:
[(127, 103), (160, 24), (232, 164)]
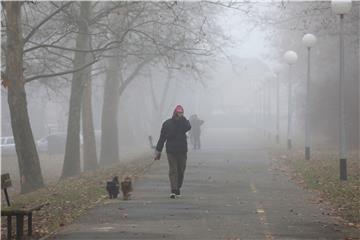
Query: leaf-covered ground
[(68, 199), (321, 174)]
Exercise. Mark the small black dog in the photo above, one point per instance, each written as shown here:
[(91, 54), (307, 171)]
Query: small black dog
[(113, 187)]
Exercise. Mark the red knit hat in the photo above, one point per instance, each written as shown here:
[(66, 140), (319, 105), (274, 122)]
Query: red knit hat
[(179, 109)]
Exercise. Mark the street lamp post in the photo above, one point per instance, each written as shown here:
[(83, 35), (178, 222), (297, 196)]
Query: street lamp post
[(290, 57), (309, 40), (341, 7), (277, 69), (268, 101), (259, 107), (264, 109)]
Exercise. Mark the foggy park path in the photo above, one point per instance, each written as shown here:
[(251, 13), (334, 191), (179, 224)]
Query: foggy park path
[(229, 193)]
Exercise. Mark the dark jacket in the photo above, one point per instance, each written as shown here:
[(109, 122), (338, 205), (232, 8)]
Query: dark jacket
[(195, 126), (173, 131)]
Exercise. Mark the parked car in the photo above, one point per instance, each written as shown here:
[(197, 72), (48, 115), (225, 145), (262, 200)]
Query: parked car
[(7, 145), (54, 143)]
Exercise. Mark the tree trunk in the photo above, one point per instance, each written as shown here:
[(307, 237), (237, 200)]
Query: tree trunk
[(71, 165), (28, 159), (109, 153), (89, 148), (156, 116), (159, 107), (165, 94), (358, 76)]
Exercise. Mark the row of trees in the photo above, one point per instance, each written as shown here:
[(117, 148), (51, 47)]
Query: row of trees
[(78, 42)]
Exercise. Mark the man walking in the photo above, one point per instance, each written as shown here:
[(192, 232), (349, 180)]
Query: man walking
[(195, 131), (173, 132)]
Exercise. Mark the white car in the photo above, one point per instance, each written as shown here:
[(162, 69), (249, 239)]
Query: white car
[(42, 145), (7, 145), (54, 143)]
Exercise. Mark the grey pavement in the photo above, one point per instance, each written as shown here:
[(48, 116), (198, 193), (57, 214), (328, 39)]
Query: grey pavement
[(229, 192)]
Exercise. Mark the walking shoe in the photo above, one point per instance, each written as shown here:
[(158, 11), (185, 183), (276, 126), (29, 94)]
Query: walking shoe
[(178, 195), (172, 196)]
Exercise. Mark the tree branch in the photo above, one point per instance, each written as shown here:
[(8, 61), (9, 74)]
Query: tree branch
[(29, 79), (106, 47), (153, 97), (45, 20), (133, 75), (165, 90)]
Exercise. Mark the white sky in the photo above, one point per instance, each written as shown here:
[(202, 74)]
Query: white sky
[(248, 41), (252, 47)]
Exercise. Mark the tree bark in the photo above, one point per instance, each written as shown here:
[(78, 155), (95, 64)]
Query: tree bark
[(109, 153), (71, 165), (358, 76), (89, 147), (28, 159)]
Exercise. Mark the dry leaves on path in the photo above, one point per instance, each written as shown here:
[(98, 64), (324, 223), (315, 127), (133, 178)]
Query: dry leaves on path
[(70, 198)]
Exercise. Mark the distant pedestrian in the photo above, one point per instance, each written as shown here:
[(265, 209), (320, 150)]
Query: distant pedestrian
[(195, 131), (173, 132)]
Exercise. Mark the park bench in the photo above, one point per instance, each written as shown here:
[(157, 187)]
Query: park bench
[(17, 211)]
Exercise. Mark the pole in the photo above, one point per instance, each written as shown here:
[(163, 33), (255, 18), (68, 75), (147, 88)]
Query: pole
[(307, 143), (343, 157), (7, 197), (264, 110), (269, 108), (277, 109), (289, 143), (259, 109)]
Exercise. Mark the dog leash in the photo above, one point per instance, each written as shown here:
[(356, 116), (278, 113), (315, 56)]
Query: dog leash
[(145, 168), (148, 166)]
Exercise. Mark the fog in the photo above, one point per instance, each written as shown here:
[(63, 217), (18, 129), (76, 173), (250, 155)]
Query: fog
[(215, 59)]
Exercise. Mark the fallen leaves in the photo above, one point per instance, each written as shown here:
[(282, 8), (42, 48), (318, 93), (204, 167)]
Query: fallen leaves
[(70, 198), (321, 174)]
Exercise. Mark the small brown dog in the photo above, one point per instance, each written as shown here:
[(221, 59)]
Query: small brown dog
[(126, 188)]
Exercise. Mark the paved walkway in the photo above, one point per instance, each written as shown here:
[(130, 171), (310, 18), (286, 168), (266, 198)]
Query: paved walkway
[(229, 193)]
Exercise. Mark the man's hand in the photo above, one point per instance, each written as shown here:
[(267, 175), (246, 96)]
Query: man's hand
[(157, 155)]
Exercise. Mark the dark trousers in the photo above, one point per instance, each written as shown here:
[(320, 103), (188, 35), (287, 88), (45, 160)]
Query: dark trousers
[(197, 143), (177, 165)]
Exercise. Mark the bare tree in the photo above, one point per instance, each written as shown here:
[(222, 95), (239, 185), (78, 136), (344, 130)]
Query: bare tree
[(72, 150), (13, 78)]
